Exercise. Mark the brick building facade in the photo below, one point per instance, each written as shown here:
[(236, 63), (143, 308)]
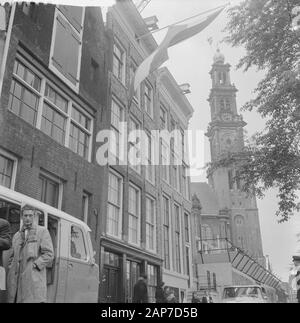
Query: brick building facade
[(53, 101)]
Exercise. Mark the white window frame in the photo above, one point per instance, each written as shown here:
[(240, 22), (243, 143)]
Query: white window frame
[(15, 166), (117, 43), (68, 115), (120, 226), (57, 14), (139, 195), (154, 225), (60, 185)]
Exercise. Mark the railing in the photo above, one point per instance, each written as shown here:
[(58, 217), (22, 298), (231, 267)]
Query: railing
[(240, 260)]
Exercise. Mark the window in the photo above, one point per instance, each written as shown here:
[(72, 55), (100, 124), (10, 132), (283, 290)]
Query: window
[(134, 210), (25, 93), (214, 282), (187, 254), (177, 239), (166, 233), (80, 133), (163, 117), (7, 170), (165, 161), (184, 182), (77, 247), (152, 282), (132, 71), (85, 206), (66, 44), (208, 280), (148, 100), (114, 214), (227, 104), (44, 106), (186, 228), (230, 179), (134, 154), (176, 174), (50, 191), (150, 169), (150, 225), (117, 116), (119, 62)]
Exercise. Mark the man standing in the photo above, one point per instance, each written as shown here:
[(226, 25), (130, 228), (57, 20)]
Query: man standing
[(5, 243), (32, 253), (296, 260), (140, 290)]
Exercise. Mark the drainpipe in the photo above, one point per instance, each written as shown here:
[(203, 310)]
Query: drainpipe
[(6, 42)]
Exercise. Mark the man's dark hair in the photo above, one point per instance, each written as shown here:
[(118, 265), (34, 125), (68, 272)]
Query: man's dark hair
[(144, 276)]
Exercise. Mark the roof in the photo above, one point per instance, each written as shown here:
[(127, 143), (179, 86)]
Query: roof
[(207, 197), (16, 197)]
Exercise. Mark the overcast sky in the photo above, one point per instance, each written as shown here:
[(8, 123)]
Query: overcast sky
[(190, 62)]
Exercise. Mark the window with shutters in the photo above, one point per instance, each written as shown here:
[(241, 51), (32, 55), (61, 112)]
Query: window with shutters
[(66, 44)]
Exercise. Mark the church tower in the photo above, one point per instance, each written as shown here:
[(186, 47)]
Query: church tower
[(225, 133)]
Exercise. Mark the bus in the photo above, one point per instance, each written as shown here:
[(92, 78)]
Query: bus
[(74, 274)]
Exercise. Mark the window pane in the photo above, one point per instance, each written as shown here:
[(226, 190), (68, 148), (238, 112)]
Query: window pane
[(79, 141), (23, 102), (49, 191), (53, 124), (78, 248), (56, 98)]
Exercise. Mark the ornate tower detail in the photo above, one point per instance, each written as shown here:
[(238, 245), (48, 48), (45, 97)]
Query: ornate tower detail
[(225, 133)]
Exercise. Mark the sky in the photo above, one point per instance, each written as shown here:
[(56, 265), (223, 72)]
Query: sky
[(190, 62)]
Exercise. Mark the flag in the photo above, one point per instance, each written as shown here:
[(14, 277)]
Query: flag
[(175, 35)]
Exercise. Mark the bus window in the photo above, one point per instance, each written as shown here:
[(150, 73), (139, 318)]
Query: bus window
[(11, 213), (78, 248)]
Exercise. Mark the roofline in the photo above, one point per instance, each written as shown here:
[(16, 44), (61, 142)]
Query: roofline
[(164, 71)]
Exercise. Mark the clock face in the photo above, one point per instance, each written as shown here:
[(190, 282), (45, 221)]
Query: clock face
[(227, 117)]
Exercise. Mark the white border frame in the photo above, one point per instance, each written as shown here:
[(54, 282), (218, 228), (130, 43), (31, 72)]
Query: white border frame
[(51, 66)]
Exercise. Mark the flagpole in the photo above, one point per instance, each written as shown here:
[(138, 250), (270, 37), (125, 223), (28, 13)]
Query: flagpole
[(184, 20)]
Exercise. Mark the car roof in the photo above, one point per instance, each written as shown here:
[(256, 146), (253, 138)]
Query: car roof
[(16, 197)]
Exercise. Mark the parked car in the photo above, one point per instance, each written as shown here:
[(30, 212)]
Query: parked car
[(244, 294)]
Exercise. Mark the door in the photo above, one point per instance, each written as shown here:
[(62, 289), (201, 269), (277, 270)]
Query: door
[(111, 285), (82, 272)]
